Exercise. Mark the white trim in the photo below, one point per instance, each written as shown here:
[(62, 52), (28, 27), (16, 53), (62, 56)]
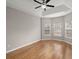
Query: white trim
[(60, 40), (34, 42), (58, 14), (22, 46)]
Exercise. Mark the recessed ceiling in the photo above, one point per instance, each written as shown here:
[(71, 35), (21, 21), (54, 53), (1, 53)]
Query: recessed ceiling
[(29, 5)]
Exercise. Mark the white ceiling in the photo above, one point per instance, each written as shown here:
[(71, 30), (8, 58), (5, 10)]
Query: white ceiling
[(61, 6)]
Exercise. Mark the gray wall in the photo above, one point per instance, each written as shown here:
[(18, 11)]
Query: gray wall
[(21, 28)]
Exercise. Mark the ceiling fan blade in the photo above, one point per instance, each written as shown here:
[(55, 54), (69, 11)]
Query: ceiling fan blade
[(37, 1), (50, 5), (37, 7), (47, 1), (43, 1)]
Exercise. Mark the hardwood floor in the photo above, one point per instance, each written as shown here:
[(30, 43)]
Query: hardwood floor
[(44, 49)]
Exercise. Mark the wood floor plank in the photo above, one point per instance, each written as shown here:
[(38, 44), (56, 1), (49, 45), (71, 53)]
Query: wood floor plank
[(44, 49)]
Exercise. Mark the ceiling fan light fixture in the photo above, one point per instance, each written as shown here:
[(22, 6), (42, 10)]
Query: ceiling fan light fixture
[(43, 6)]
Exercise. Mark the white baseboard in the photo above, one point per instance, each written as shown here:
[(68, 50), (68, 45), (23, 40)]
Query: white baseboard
[(64, 40), (32, 43), (22, 46)]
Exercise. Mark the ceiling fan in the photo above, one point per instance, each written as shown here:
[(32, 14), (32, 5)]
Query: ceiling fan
[(43, 4)]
